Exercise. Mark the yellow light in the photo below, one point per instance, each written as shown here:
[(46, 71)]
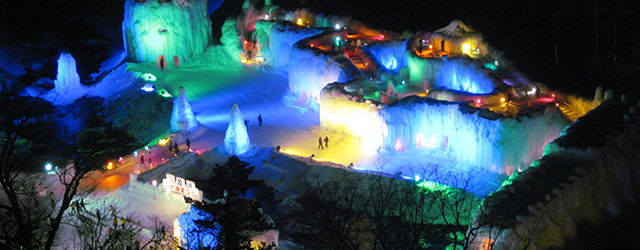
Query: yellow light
[(110, 166), (502, 99), (312, 45), (299, 21), (430, 46), (243, 60), (163, 142), (557, 104), (466, 48)]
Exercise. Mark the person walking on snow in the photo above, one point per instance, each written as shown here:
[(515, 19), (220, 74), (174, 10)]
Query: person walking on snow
[(326, 142), (149, 158), (188, 145), (260, 120), (320, 143), (142, 160)]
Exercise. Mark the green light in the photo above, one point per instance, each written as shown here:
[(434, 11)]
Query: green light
[(164, 93), (433, 186)]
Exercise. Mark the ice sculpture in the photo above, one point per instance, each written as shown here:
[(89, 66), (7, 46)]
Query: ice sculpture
[(67, 78), (169, 28), (182, 117), (236, 138)]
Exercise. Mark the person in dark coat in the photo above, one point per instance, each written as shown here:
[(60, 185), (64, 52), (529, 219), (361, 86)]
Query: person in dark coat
[(188, 144), (260, 120), (320, 143), (326, 142)]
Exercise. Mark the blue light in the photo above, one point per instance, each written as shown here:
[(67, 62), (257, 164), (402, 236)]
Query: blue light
[(148, 87), (391, 64), (462, 76), (48, 167), (338, 38)]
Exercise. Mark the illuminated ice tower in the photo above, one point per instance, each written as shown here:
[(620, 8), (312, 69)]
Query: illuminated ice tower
[(176, 29), (182, 117), (236, 139)]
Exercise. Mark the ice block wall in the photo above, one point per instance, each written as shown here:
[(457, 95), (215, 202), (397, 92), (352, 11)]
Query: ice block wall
[(390, 54), (344, 113), (310, 70), (502, 145), (424, 123), (169, 28), (282, 37), (422, 71), (498, 144), (463, 74)]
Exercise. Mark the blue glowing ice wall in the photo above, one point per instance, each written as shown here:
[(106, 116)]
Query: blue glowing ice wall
[(464, 75), (390, 54), (182, 117), (169, 28), (501, 145), (194, 236), (310, 70), (236, 138), (282, 37)]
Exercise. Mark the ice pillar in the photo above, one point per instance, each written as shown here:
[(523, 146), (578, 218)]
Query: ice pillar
[(236, 139), (67, 77), (182, 117)]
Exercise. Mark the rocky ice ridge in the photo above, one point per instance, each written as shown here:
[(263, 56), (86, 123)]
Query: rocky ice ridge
[(586, 176)]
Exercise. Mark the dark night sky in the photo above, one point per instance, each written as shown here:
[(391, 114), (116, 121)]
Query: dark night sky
[(526, 30)]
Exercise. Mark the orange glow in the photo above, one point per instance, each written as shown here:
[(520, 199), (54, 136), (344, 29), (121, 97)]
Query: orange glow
[(502, 99), (110, 166), (312, 45), (163, 142), (299, 22), (557, 104), (245, 42)]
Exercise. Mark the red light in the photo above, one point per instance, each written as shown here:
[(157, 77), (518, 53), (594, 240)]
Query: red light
[(245, 42), (478, 101)]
